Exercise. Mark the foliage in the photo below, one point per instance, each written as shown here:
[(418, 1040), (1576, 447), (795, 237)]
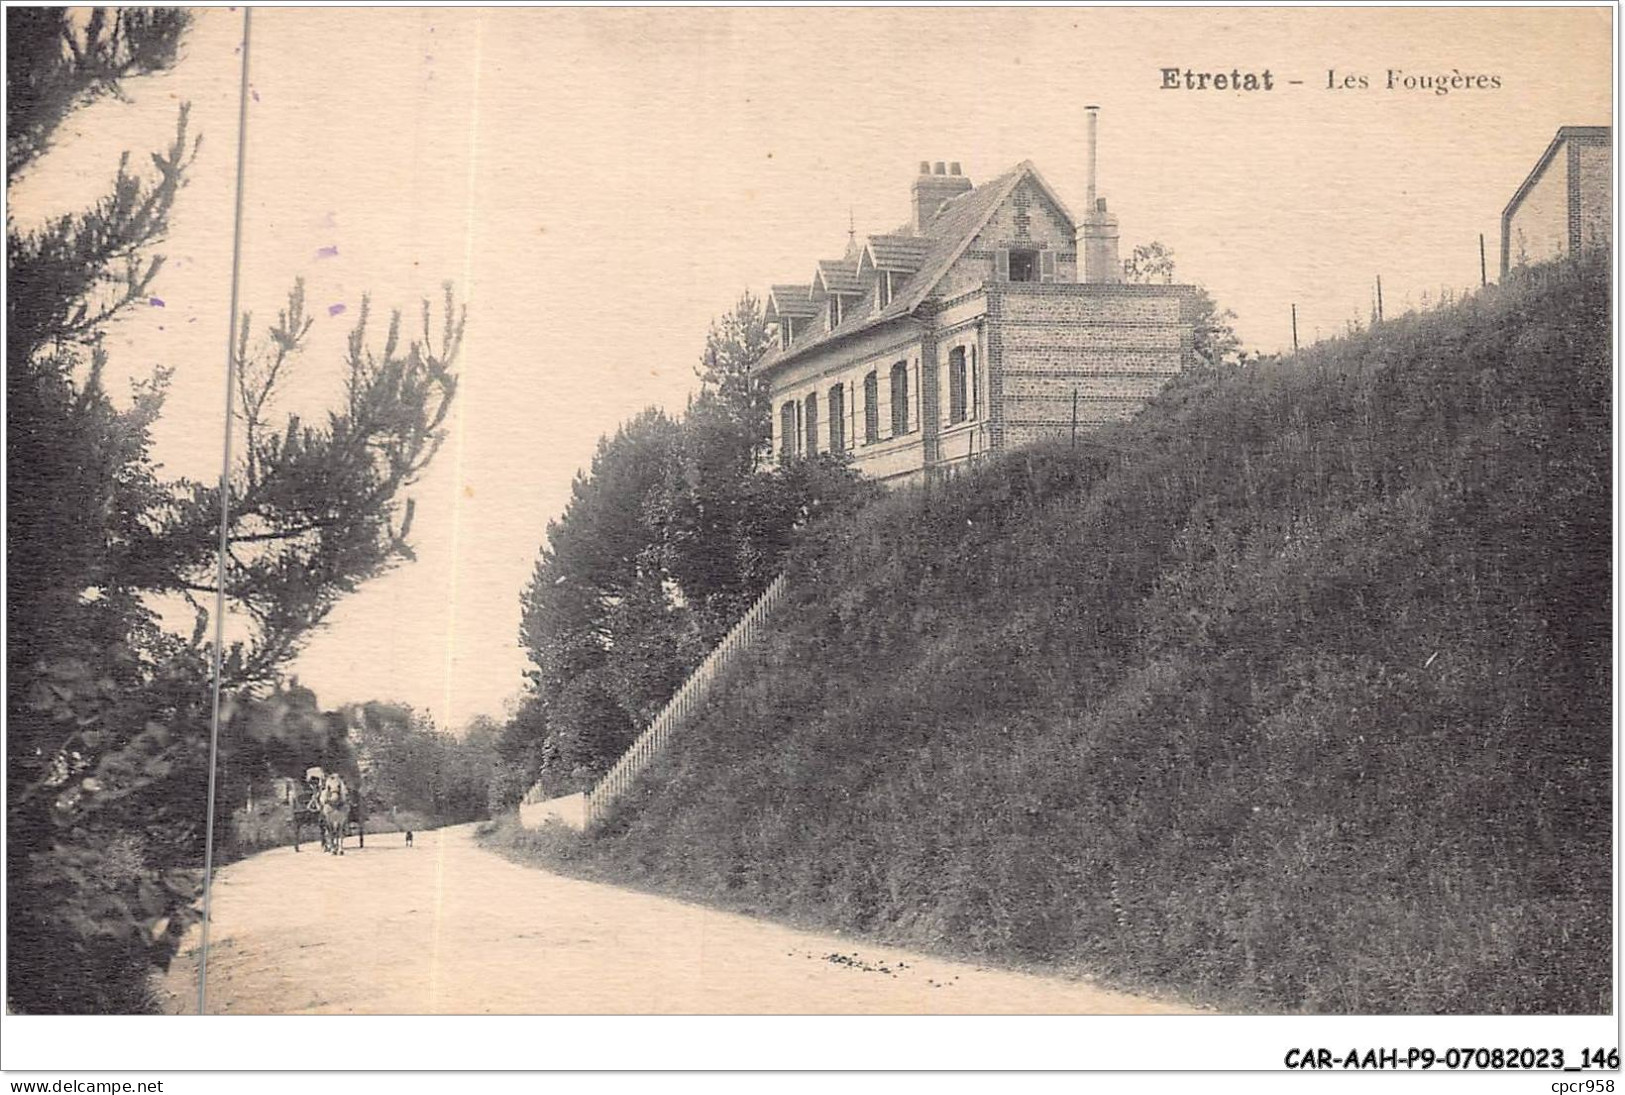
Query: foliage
[(407, 764), (1149, 264), (411, 774), (1290, 694), (107, 712), (279, 735), (508, 784), (57, 64), (316, 509), (666, 541), (1215, 341), (733, 346)]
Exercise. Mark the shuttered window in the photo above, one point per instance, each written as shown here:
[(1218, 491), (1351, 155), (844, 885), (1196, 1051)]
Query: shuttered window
[(956, 384), (1001, 264), (787, 432), (1046, 266), (871, 408), (811, 423), (917, 392), (899, 398), (837, 419), (975, 385)]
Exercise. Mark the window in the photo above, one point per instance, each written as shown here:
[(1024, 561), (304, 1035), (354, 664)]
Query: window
[(834, 311), (956, 384), (787, 432), (837, 419), (899, 398), (889, 281), (1024, 266), (871, 408), (975, 386), (787, 331), (812, 422)]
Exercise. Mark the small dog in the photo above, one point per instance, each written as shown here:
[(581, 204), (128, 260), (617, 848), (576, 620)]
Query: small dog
[(409, 838)]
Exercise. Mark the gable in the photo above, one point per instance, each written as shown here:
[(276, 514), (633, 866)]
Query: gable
[(945, 268), (1028, 219)]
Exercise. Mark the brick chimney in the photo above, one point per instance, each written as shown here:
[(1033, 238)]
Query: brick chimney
[(1097, 235), (932, 187)]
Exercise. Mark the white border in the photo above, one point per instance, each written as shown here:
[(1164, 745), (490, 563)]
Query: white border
[(71, 1047)]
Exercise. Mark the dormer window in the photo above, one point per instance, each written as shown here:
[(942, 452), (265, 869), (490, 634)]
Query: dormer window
[(834, 311), (791, 307), (888, 287)]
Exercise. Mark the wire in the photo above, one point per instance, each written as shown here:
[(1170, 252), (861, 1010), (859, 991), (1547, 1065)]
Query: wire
[(225, 521)]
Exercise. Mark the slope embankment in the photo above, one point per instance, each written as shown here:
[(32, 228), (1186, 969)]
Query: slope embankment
[(1291, 694)]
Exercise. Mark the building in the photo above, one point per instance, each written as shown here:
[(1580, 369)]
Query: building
[(1565, 204), (993, 318)]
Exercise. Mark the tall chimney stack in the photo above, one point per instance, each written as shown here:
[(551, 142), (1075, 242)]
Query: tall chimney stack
[(1093, 138), (934, 185), (1098, 263)]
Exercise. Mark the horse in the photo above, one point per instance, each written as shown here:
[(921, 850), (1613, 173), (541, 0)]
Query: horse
[(335, 803)]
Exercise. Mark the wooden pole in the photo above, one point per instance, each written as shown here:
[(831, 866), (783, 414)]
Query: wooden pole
[(1294, 328), (225, 524), (1379, 298), (1074, 418), (1483, 267)]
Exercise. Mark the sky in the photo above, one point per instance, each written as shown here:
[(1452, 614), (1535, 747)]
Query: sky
[(598, 184)]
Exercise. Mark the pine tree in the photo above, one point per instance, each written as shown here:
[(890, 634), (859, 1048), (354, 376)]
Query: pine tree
[(108, 713), (733, 346)]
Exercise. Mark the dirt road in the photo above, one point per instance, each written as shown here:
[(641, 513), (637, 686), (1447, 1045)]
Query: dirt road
[(450, 928)]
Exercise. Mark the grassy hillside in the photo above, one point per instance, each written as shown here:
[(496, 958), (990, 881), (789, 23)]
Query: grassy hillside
[(1292, 694)]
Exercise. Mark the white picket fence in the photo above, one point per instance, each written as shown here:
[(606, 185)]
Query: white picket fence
[(687, 702)]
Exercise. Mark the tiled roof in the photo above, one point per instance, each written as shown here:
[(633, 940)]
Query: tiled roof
[(837, 276), (952, 229), (939, 245), (791, 300), (897, 252)]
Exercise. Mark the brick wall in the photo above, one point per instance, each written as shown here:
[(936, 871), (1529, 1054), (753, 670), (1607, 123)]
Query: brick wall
[(1026, 220), (1104, 348), (1565, 206), (1538, 229), (1594, 162), (1032, 350)]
